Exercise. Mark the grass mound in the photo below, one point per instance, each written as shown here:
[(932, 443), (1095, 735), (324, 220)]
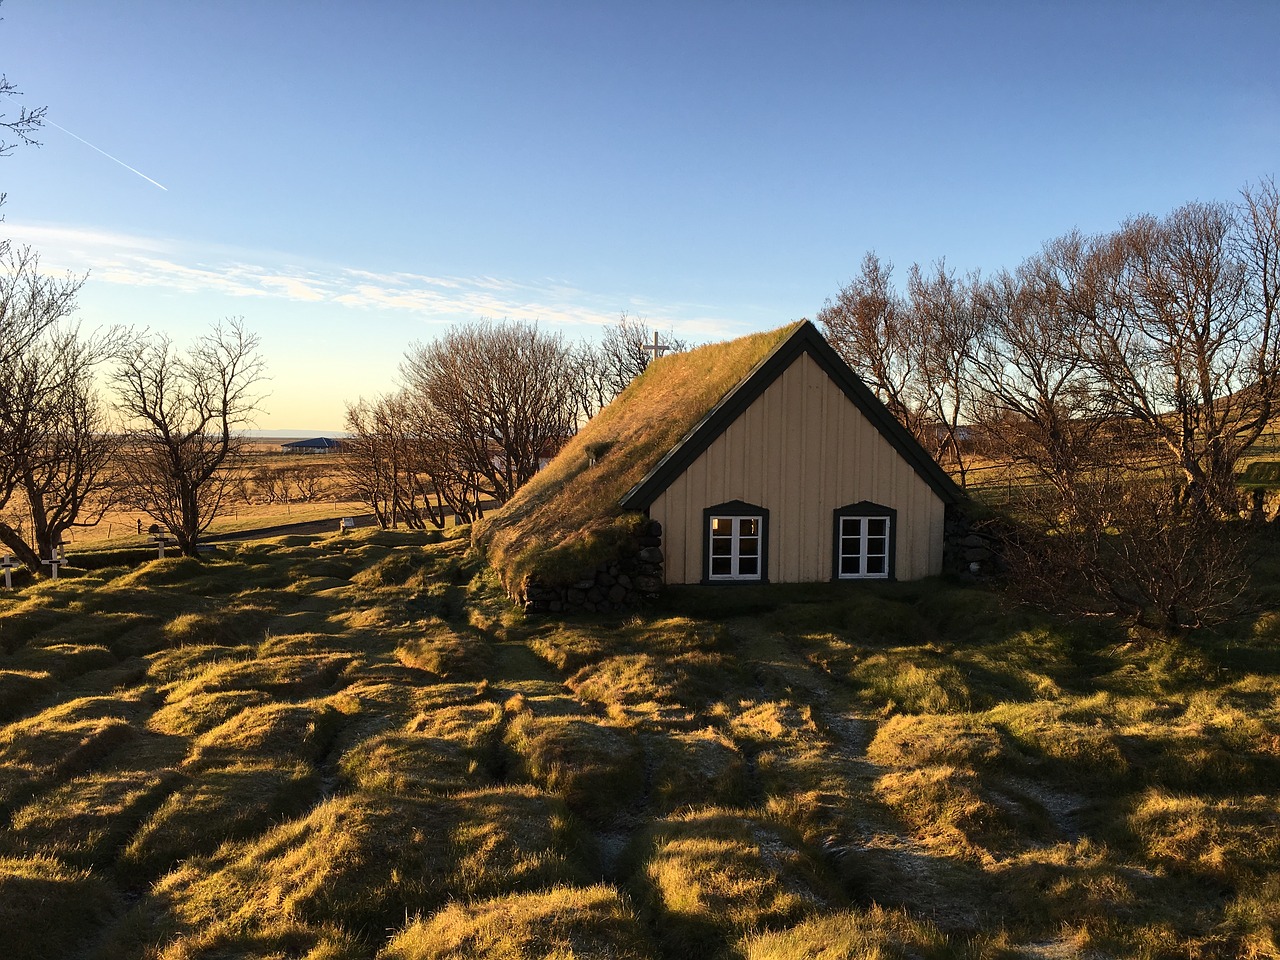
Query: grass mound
[(717, 874), (753, 767), (585, 923), (597, 769), (367, 861), (48, 909)]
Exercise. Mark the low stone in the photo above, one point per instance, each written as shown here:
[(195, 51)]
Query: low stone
[(555, 606), (648, 584), (606, 580), (651, 555), (574, 595), (649, 541), (595, 595), (974, 540), (617, 593), (584, 584), (624, 580)]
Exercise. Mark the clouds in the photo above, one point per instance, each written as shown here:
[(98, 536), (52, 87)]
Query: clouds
[(151, 263)]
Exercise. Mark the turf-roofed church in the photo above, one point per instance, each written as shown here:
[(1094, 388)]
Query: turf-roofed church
[(759, 460)]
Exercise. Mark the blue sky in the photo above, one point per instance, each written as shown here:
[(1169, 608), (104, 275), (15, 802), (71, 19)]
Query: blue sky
[(351, 178)]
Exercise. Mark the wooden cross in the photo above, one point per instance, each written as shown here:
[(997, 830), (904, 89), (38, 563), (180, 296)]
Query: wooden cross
[(8, 563), (656, 348), (53, 563), (161, 542)]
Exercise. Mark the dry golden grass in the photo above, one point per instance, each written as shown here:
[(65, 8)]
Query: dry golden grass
[(344, 747), (565, 923)]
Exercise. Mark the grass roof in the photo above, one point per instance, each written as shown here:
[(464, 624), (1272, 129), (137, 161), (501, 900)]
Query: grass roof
[(568, 520)]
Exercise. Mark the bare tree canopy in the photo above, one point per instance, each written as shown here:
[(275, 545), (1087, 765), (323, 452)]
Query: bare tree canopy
[(1182, 332), (501, 395), (55, 445), (184, 412), (604, 369), (916, 352)]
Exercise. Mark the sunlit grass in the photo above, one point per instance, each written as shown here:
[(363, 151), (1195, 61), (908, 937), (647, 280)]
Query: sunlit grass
[(326, 747)]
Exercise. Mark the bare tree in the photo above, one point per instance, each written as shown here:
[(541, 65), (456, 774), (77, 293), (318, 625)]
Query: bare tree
[(1039, 406), (880, 337), (64, 447), (1186, 336), (606, 368), (55, 446), (185, 411), (950, 317), (500, 395)]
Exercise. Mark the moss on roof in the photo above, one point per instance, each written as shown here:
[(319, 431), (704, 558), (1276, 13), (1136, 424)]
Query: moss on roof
[(567, 520)]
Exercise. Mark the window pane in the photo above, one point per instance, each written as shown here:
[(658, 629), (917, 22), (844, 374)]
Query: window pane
[(749, 567), (749, 547), (721, 546), (750, 527), (848, 566), (877, 526), (875, 565), (876, 545), (721, 566), (722, 526)]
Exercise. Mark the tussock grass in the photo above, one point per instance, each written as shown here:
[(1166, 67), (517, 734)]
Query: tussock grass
[(19, 689), (873, 934), (227, 627), (444, 750), (446, 653), (699, 768), (714, 875), (85, 820), (583, 923), (54, 745), (48, 909), (368, 861), (282, 676), (754, 767), (281, 731), (213, 806), (597, 768)]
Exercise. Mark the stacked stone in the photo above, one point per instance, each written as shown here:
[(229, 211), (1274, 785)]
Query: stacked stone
[(968, 550), (618, 585)]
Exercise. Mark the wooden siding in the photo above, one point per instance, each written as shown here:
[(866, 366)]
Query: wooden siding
[(801, 451)]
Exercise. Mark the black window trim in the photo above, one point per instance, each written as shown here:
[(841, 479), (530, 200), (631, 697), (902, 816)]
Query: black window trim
[(864, 508), (735, 508)]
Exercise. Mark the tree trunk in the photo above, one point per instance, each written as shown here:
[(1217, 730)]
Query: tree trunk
[(29, 558)]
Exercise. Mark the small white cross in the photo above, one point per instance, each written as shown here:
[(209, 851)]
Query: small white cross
[(8, 563), (656, 348), (53, 565), (161, 541)]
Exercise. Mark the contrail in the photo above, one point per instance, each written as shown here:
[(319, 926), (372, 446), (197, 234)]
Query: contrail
[(105, 154)]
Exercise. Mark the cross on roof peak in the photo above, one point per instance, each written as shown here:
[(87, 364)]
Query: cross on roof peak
[(656, 348)]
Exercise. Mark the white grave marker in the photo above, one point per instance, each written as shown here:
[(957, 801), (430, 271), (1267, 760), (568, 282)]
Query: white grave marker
[(8, 563)]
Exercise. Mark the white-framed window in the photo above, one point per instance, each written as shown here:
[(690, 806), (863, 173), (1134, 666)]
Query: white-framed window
[(863, 542), (736, 543)]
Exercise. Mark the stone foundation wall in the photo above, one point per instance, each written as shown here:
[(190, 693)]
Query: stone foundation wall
[(970, 548), (625, 582)]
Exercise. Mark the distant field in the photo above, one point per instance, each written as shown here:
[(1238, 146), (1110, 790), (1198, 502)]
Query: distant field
[(120, 527)]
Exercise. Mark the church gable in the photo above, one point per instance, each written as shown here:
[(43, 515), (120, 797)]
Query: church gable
[(801, 450)]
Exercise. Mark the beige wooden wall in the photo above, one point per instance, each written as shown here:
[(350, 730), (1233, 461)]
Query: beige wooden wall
[(801, 450)]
